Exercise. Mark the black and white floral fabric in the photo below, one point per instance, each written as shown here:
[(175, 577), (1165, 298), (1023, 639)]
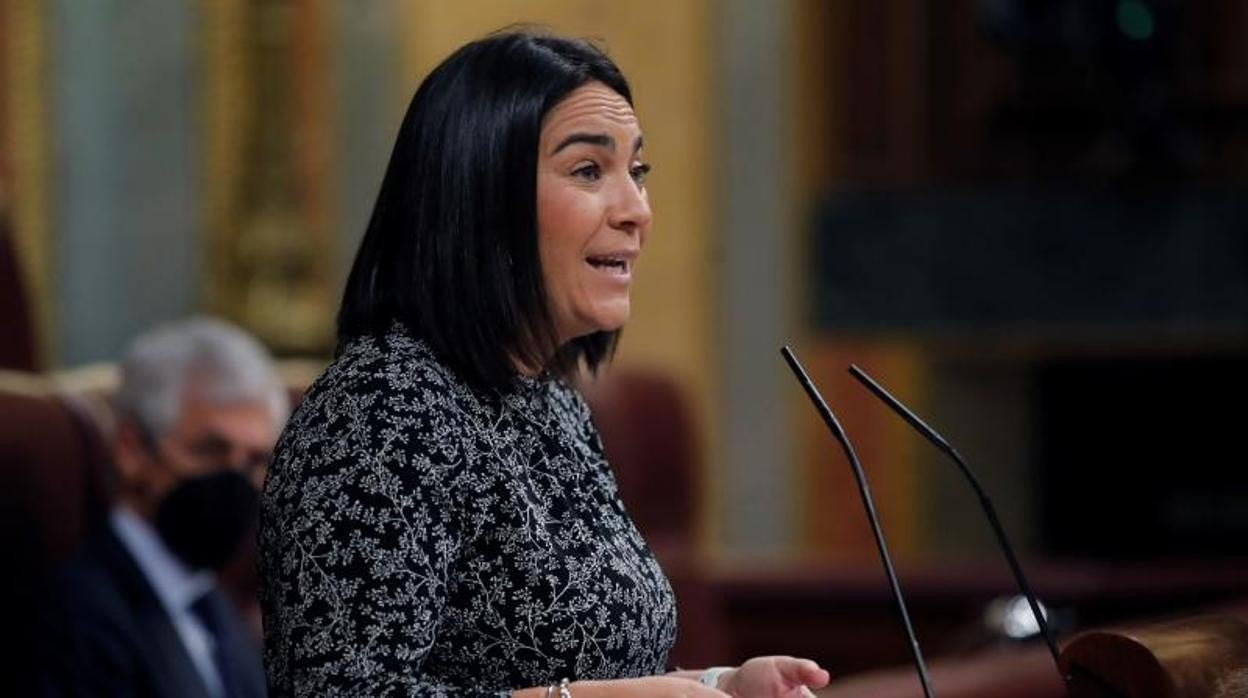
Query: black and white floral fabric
[(420, 538)]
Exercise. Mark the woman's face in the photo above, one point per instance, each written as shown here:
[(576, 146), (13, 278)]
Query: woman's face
[(593, 214)]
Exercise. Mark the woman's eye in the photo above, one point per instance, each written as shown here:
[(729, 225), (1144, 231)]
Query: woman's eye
[(639, 173), (590, 172)]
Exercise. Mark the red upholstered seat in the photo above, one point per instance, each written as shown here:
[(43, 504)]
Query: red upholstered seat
[(53, 466), (52, 491)]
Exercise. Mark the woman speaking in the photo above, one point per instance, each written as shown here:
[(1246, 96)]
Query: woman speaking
[(439, 518)]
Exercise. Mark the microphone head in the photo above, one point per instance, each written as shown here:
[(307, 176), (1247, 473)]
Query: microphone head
[(902, 411), (812, 392)]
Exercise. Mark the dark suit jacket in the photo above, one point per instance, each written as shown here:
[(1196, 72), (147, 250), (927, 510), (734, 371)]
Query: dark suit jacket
[(108, 635)]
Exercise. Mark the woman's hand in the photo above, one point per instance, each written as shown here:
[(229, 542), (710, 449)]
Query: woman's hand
[(774, 677)]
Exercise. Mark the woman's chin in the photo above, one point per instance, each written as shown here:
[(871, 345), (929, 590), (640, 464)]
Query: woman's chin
[(601, 322), (615, 320)]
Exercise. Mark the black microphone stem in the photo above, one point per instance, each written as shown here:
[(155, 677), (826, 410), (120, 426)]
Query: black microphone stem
[(989, 510), (835, 427)]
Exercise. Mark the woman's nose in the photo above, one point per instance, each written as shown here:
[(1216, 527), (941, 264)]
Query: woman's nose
[(631, 207)]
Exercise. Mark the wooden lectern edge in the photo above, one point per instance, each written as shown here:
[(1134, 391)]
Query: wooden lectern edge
[(1108, 662), (1187, 657)]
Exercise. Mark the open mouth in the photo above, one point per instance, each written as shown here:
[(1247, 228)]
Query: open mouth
[(610, 265)]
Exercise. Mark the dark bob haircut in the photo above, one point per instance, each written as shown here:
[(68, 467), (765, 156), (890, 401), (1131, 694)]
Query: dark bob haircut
[(451, 249)]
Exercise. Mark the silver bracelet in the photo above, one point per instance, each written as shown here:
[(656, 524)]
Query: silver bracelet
[(550, 690), (710, 677), (564, 691)]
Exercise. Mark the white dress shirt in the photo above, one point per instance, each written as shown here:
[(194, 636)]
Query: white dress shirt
[(175, 585)]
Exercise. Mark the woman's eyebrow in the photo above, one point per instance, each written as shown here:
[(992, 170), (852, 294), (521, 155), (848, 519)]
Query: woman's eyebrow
[(601, 140), (597, 139)]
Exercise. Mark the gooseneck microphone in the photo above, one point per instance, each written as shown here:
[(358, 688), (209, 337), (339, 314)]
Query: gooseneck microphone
[(989, 510), (835, 427)]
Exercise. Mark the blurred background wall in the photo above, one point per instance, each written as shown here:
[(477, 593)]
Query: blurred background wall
[(1025, 218)]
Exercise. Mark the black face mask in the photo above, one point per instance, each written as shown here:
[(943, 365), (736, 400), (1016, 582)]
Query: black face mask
[(203, 520)]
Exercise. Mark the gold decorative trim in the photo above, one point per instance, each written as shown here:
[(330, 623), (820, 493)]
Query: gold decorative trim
[(267, 170), (225, 80), (26, 63)]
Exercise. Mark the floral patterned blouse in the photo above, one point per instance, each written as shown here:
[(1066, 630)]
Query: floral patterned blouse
[(421, 538)]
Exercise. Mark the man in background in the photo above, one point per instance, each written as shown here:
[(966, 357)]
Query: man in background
[(138, 610)]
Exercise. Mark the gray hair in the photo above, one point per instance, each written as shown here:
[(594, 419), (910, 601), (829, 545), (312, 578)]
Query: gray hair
[(226, 364)]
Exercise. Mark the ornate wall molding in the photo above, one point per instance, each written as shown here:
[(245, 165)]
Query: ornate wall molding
[(267, 172), (28, 166)]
